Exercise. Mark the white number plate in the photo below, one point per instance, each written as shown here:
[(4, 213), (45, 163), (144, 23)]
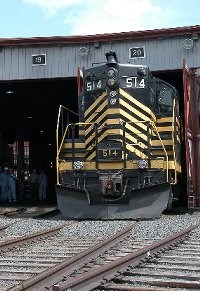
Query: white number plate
[(133, 82)]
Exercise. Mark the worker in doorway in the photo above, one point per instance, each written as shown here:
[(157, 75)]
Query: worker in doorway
[(33, 180), (1, 181), (42, 186), (4, 184), (21, 181), (11, 186)]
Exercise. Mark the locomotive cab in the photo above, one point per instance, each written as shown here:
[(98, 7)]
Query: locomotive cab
[(165, 96)]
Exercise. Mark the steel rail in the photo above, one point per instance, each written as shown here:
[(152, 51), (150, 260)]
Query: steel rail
[(53, 275), (12, 211), (2, 228), (93, 278), (10, 243)]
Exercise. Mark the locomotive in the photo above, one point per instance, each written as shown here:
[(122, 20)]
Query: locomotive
[(121, 160)]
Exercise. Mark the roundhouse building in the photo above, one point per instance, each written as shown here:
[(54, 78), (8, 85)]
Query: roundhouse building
[(38, 74)]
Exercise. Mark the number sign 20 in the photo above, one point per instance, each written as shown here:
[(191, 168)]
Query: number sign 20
[(137, 52)]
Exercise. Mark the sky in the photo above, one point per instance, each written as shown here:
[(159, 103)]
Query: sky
[(43, 18)]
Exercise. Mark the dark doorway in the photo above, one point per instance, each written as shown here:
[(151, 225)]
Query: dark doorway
[(175, 78), (28, 118)]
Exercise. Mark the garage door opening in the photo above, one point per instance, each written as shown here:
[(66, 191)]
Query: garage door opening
[(28, 118)]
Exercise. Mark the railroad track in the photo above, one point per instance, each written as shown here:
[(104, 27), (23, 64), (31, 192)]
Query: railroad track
[(72, 254), (29, 212), (3, 228), (11, 264), (25, 260), (59, 263), (176, 268), (121, 267), (12, 211)]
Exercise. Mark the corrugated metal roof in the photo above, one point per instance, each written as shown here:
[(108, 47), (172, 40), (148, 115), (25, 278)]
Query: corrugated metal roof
[(106, 37)]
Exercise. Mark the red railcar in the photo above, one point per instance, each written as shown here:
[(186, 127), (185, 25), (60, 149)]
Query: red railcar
[(191, 81)]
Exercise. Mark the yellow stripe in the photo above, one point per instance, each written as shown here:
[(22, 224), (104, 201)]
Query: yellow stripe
[(134, 120), (101, 117), (89, 166), (134, 130), (101, 107), (68, 145), (130, 108), (160, 152), (96, 102), (139, 104), (136, 151), (128, 146), (114, 121), (157, 142), (164, 128), (76, 155), (164, 119), (81, 132), (100, 138)]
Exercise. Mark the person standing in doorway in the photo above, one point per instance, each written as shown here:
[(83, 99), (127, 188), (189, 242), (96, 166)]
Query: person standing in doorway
[(33, 180), (4, 185), (1, 181), (42, 186), (12, 187)]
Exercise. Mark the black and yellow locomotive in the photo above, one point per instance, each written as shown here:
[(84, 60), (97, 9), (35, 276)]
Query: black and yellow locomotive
[(122, 158)]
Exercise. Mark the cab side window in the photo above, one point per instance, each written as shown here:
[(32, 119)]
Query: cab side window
[(165, 95)]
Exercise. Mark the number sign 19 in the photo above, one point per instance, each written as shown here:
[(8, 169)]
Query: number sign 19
[(137, 52), (39, 60)]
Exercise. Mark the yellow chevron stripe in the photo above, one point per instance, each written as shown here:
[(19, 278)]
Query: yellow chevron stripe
[(136, 131), (128, 146), (130, 108), (117, 121), (136, 151), (139, 104), (113, 131), (100, 108), (101, 117), (96, 102)]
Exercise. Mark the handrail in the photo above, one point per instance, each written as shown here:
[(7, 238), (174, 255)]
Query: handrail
[(61, 107), (129, 122), (173, 144), (167, 160)]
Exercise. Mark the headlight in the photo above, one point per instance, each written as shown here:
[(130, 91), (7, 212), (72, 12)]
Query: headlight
[(111, 82), (141, 72), (142, 164), (78, 165), (111, 73)]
